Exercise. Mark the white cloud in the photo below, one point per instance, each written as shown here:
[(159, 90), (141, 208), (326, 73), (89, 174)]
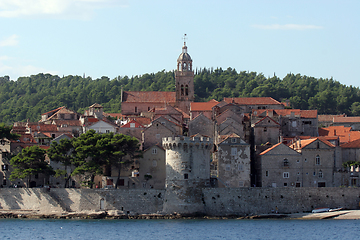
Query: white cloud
[(10, 41), (287, 27), (4, 58), (54, 8), (19, 71)]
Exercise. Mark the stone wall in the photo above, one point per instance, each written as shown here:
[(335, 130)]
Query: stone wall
[(57, 200), (217, 202), (249, 201)]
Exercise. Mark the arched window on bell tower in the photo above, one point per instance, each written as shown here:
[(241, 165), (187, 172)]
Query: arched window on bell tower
[(186, 90), (182, 90)]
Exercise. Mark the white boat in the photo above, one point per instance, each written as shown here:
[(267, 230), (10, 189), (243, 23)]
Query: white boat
[(320, 210)]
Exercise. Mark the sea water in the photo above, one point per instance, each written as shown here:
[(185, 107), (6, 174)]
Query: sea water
[(178, 229)]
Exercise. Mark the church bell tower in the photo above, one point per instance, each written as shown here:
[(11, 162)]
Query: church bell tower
[(184, 80)]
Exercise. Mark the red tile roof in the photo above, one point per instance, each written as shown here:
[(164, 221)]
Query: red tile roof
[(203, 106), (352, 144), (253, 101), (53, 111), (287, 112), (41, 127), (346, 119), (344, 133), (271, 148), (114, 115), (300, 144), (328, 118), (166, 97)]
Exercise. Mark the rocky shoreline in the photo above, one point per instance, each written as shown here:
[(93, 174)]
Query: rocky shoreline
[(33, 214)]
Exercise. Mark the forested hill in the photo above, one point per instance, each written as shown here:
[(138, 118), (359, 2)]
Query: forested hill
[(28, 97)]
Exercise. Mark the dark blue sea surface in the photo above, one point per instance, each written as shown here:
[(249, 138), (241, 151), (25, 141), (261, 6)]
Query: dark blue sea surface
[(178, 229)]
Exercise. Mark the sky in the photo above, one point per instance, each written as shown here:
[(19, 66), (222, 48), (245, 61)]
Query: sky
[(317, 38)]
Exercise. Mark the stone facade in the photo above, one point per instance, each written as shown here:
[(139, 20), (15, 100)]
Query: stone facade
[(201, 125), (152, 168), (233, 162), (187, 172)]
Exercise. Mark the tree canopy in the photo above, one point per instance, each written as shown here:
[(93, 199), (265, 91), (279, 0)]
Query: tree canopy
[(5, 132), (30, 161), (92, 152), (28, 97)]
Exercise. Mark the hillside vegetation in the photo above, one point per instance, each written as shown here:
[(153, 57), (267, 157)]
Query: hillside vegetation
[(28, 97)]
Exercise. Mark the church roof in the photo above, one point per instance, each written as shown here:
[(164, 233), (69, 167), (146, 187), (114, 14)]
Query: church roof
[(166, 97), (252, 101)]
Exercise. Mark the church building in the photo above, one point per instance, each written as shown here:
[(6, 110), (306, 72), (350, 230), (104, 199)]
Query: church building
[(136, 102)]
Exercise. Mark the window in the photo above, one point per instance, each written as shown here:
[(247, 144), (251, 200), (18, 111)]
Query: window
[(286, 175), (132, 125), (265, 129), (317, 160), (320, 174), (5, 167), (317, 145), (266, 173), (285, 184), (186, 176), (154, 151), (154, 163), (286, 162), (293, 124), (4, 182), (228, 167), (298, 161), (233, 151), (233, 140), (107, 131), (135, 109)]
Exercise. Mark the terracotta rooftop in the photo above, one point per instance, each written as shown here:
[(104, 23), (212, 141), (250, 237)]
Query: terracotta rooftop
[(300, 144), (40, 127), (203, 106), (142, 120), (271, 148), (114, 115), (346, 119), (67, 122), (344, 133), (53, 111), (166, 97), (287, 112), (253, 101), (185, 115), (352, 144), (328, 118)]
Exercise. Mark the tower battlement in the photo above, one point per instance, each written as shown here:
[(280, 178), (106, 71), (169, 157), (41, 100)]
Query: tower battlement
[(178, 142)]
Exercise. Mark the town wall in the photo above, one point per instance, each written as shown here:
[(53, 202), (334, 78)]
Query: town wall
[(217, 201)]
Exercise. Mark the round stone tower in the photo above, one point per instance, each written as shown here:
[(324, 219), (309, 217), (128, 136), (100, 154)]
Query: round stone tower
[(187, 172)]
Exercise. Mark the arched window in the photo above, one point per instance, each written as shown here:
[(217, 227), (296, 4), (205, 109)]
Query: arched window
[(182, 90), (186, 90), (317, 160)]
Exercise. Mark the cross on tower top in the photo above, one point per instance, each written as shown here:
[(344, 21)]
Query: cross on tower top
[(184, 39)]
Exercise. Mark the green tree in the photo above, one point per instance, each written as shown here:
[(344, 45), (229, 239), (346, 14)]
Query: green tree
[(5, 132), (63, 152), (28, 162)]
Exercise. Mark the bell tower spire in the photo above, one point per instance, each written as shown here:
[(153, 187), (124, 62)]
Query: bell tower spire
[(184, 77)]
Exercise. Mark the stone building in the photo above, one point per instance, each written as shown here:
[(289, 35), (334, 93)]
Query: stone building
[(187, 172), (266, 131), (152, 168), (233, 162), (201, 125), (305, 163)]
